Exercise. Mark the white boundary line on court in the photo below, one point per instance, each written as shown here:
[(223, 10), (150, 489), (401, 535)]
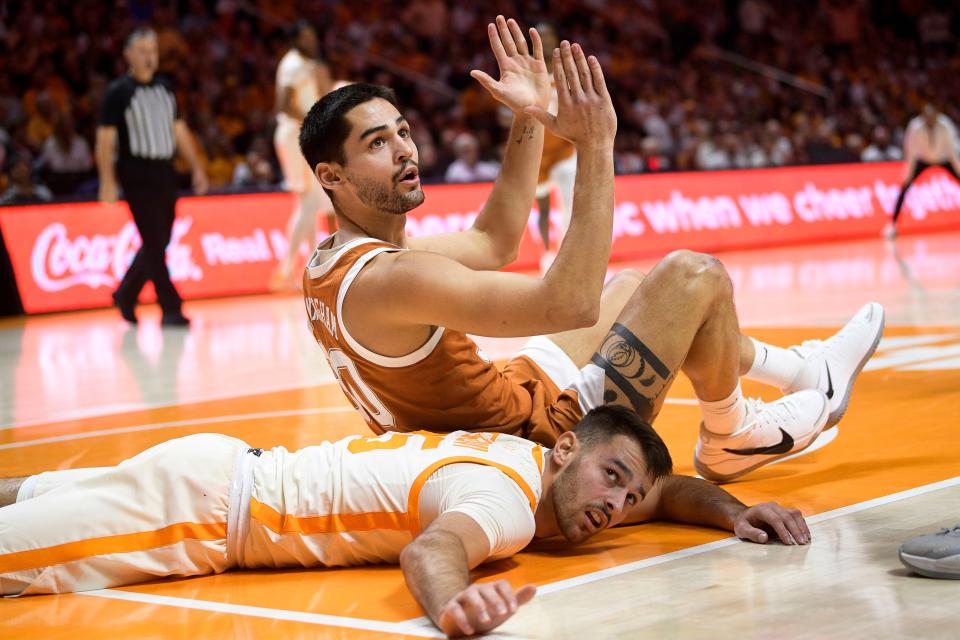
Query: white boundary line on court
[(271, 614), (210, 420)]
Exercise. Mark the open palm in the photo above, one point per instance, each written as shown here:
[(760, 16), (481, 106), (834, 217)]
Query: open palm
[(524, 80)]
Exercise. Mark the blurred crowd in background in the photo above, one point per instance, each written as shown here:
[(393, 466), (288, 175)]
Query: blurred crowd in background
[(693, 81)]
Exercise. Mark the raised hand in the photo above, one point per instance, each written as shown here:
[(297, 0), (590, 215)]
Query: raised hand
[(482, 607), (524, 80), (787, 524), (585, 114)]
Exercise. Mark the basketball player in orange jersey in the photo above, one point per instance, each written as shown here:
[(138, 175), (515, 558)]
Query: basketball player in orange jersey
[(392, 312), (439, 504)]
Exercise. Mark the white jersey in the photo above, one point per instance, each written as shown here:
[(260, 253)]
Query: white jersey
[(933, 146), (356, 501), (300, 74)]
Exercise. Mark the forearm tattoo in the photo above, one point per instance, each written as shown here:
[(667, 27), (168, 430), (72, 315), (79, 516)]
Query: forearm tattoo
[(634, 369), (525, 134)]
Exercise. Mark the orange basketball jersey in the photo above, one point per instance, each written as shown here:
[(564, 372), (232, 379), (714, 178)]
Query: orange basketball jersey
[(445, 385)]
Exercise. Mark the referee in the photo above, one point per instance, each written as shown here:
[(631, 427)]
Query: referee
[(140, 131), (930, 141)]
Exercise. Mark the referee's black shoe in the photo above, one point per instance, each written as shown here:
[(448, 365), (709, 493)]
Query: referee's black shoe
[(175, 319), (126, 308)]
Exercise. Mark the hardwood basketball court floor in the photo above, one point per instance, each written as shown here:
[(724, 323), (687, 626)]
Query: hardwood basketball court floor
[(82, 389)]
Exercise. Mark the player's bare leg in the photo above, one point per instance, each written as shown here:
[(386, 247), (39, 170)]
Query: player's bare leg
[(682, 318), (581, 344), (9, 488)]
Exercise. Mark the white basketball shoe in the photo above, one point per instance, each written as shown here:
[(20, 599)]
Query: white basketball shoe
[(770, 431), (840, 358)]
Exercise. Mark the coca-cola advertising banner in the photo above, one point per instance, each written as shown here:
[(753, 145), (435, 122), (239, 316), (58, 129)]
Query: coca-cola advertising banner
[(72, 256)]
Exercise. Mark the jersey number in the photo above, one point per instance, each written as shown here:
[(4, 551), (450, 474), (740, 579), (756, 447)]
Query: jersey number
[(362, 396)]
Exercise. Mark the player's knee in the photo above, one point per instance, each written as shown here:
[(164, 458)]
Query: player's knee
[(698, 271)]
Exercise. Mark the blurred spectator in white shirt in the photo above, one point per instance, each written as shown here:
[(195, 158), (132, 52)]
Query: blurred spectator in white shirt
[(468, 167)]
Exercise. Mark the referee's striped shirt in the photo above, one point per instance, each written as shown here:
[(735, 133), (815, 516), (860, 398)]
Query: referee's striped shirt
[(143, 115)]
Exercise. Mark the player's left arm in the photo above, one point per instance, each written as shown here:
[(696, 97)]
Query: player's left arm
[(494, 239), (436, 567), (694, 501), (188, 150)]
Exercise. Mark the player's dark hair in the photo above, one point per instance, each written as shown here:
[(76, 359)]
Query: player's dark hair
[(608, 421), (325, 128), (136, 34)]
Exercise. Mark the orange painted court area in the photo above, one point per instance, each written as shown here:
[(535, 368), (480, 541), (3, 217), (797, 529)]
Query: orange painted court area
[(900, 432)]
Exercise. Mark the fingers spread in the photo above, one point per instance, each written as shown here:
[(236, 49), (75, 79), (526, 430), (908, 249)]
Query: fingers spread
[(505, 38), (537, 44), (526, 593), (752, 533), (599, 84), (494, 36), (797, 526), (506, 593), (488, 83), (570, 68), (583, 70), (783, 532), (460, 618), (474, 602), (496, 604), (559, 77), (518, 40)]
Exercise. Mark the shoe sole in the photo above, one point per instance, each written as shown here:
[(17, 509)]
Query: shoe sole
[(927, 567), (837, 414), (718, 478)]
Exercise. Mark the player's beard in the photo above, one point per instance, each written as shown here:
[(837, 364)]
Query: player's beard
[(565, 501), (386, 198)]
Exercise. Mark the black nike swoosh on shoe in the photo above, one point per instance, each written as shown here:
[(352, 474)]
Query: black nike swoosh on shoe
[(829, 393), (784, 446)]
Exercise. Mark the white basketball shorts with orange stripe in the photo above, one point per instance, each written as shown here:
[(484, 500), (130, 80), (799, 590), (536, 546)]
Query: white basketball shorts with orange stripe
[(164, 512)]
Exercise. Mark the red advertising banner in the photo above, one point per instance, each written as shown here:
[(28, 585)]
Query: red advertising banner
[(72, 256)]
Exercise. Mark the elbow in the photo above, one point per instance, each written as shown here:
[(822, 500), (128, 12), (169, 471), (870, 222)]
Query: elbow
[(579, 315), (504, 257), (409, 554)]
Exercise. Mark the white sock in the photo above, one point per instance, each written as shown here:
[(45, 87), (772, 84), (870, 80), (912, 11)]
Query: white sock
[(724, 416), (780, 367)]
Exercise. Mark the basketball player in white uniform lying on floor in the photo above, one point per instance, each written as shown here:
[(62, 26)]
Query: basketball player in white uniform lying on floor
[(439, 504)]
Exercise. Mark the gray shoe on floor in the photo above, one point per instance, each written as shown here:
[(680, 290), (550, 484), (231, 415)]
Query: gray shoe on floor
[(934, 555)]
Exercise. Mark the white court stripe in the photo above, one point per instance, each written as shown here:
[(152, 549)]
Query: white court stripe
[(594, 576), (406, 628), (175, 423)]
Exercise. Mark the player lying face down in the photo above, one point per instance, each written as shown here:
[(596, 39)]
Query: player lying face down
[(439, 504)]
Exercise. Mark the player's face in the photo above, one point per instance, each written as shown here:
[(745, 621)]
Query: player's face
[(381, 169), (598, 487), (143, 56)]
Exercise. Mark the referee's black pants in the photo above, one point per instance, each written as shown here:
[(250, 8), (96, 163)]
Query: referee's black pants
[(150, 188), (920, 168)]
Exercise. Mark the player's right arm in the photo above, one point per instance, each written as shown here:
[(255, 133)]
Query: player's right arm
[(423, 288), (106, 146)]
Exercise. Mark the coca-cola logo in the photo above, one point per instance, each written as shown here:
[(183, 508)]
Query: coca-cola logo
[(59, 262)]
